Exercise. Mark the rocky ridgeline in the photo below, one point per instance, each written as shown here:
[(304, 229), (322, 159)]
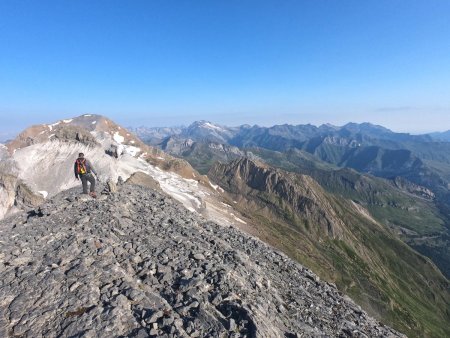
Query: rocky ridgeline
[(136, 263)]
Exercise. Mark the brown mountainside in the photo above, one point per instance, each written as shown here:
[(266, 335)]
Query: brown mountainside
[(337, 240)]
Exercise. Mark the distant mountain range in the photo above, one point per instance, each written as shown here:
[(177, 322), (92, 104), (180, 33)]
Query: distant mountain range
[(442, 136), (418, 164), (215, 132), (422, 159)]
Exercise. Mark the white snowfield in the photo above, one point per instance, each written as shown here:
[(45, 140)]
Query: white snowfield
[(131, 150), (43, 193), (118, 138), (50, 126)]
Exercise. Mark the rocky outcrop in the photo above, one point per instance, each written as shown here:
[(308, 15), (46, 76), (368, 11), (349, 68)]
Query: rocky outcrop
[(175, 145), (26, 198), (140, 178), (77, 134), (137, 264), (13, 191), (413, 188), (7, 192)]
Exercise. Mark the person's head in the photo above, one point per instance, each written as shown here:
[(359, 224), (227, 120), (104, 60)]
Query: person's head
[(80, 155)]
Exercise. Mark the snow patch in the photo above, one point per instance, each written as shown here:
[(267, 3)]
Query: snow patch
[(126, 149), (132, 141), (87, 115), (190, 180), (182, 190), (50, 126), (118, 138), (43, 193), (133, 151), (211, 126), (213, 185), (68, 121), (238, 219), (94, 122)]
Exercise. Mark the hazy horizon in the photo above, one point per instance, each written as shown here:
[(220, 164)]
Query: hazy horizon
[(9, 134)]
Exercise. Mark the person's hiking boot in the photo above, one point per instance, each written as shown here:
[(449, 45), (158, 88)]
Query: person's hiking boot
[(93, 194)]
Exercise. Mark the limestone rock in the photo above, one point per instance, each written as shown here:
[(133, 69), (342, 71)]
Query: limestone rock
[(144, 180), (135, 265)]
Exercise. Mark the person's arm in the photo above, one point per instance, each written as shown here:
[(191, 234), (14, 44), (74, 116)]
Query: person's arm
[(75, 170)]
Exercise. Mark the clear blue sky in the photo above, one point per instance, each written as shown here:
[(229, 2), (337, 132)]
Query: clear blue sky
[(259, 62)]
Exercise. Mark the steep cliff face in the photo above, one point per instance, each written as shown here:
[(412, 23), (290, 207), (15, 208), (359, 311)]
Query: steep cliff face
[(413, 188), (135, 263), (339, 239), (412, 211), (298, 192), (14, 193)]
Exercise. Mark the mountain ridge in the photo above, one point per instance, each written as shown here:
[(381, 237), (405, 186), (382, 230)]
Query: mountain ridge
[(74, 268)]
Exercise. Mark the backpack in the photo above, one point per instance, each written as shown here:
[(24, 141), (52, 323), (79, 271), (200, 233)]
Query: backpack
[(81, 166)]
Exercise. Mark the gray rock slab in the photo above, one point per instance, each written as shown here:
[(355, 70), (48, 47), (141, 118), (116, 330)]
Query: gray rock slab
[(137, 264)]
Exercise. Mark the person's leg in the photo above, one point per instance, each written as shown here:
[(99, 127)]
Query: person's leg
[(84, 183), (92, 181)]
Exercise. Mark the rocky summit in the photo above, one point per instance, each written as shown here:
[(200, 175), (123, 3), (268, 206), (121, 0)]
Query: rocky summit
[(135, 263)]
